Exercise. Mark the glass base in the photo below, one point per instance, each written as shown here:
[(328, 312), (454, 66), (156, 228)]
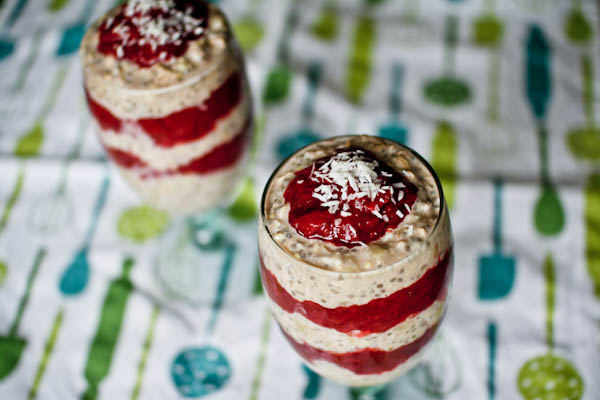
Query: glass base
[(190, 257), (439, 372)]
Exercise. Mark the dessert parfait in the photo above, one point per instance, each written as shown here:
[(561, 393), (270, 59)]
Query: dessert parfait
[(356, 257), (166, 85)]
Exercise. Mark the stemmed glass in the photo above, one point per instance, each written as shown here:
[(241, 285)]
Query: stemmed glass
[(367, 343)]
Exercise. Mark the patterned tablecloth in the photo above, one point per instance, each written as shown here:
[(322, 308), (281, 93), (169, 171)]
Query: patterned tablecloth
[(500, 96)]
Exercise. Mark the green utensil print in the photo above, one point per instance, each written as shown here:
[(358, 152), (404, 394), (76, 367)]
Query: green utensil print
[(57, 5), (142, 223), (496, 270), (584, 141), (577, 26), (107, 333), (549, 376), (395, 129), (444, 159), (305, 135), (244, 207), (145, 351), (592, 229), (279, 78), (262, 357), (327, 26), (448, 90), (7, 43), (11, 345), (249, 30), (549, 216), (8, 207), (360, 60)]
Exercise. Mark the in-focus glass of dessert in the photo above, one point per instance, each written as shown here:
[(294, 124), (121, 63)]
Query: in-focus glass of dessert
[(166, 85), (356, 257)]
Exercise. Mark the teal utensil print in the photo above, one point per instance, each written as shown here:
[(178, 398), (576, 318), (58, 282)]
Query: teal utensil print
[(305, 135), (549, 376), (75, 277), (360, 60), (379, 392), (496, 270), (327, 26), (313, 383), (107, 332), (395, 129), (592, 230), (262, 357), (549, 218), (200, 371), (71, 35), (448, 90), (279, 78), (145, 351), (7, 43), (249, 30), (11, 345), (492, 339)]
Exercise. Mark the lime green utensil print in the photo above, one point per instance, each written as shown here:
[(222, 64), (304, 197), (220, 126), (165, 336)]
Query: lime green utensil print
[(549, 218), (48, 349), (327, 26), (249, 30), (11, 345), (549, 377), (57, 5), (448, 90), (444, 156), (142, 223), (279, 78), (360, 61), (145, 351), (262, 357), (584, 141), (578, 28), (592, 229), (107, 333), (6, 212)]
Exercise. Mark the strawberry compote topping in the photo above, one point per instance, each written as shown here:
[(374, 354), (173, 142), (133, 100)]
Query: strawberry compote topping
[(150, 31), (348, 199)]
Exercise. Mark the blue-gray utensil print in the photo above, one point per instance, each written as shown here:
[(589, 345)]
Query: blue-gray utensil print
[(395, 129), (71, 36), (496, 270), (305, 135), (203, 370), (75, 277), (7, 43)]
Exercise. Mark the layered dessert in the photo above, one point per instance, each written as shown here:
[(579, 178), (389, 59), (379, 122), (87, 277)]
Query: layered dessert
[(166, 85), (356, 257)]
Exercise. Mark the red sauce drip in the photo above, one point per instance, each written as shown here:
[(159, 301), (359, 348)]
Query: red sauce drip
[(376, 316), (312, 220), (123, 36), (220, 157), (182, 126), (366, 361)]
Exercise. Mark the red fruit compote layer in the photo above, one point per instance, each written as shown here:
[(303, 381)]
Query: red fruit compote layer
[(166, 85), (356, 257)]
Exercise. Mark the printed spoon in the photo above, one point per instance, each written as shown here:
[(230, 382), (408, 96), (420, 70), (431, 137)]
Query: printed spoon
[(71, 36), (577, 26), (448, 90), (142, 223), (76, 275), (592, 230), (395, 129), (360, 60), (492, 337), (549, 376), (7, 43), (145, 351), (305, 134), (199, 371), (496, 270), (11, 345), (249, 30), (327, 26), (57, 5), (279, 78), (444, 159), (549, 216)]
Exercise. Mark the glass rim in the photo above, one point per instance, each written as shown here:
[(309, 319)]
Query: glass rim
[(442, 209)]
